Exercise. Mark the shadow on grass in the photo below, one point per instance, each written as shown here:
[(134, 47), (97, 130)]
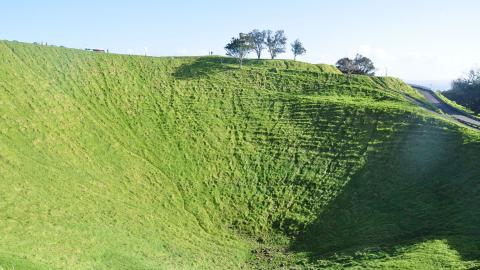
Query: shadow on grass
[(204, 67), (210, 65), (427, 187)]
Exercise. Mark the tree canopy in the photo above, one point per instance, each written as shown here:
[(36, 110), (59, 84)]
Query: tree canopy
[(471, 79), (466, 90), (239, 47), (258, 39), (359, 65), (297, 49), (276, 42)]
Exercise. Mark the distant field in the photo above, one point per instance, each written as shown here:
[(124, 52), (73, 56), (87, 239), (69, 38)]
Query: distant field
[(128, 162)]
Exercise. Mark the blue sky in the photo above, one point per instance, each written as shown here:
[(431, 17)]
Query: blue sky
[(414, 40)]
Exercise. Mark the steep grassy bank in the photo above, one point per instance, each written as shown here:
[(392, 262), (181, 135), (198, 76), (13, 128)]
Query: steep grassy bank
[(123, 162), (466, 94)]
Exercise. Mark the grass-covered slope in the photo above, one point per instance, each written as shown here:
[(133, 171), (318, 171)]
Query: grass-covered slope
[(464, 99), (125, 162), (465, 92)]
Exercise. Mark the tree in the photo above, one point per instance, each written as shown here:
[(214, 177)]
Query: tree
[(469, 82), (345, 65), (258, 39), (359, 65), (472, 77), (276, 42), (363, 65), (240, 47), (466, 90), (298, 49)]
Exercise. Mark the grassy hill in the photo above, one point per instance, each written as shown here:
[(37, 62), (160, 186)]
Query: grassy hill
[(468, 98), (128, 162)]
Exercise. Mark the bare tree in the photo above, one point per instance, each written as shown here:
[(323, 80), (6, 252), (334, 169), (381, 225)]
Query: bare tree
[(276, 42)]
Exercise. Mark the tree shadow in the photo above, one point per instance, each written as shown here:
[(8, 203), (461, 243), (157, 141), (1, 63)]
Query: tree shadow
[(204, 67), (211, 65), (423, 186)]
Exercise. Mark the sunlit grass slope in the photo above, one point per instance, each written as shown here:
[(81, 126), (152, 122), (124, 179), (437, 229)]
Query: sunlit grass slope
[(128, 162)]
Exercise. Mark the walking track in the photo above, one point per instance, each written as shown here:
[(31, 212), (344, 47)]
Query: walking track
[(458, 115)]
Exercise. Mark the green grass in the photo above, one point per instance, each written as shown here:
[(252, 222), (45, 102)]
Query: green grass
[(127, 162), (455, 105), (465, 97)]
